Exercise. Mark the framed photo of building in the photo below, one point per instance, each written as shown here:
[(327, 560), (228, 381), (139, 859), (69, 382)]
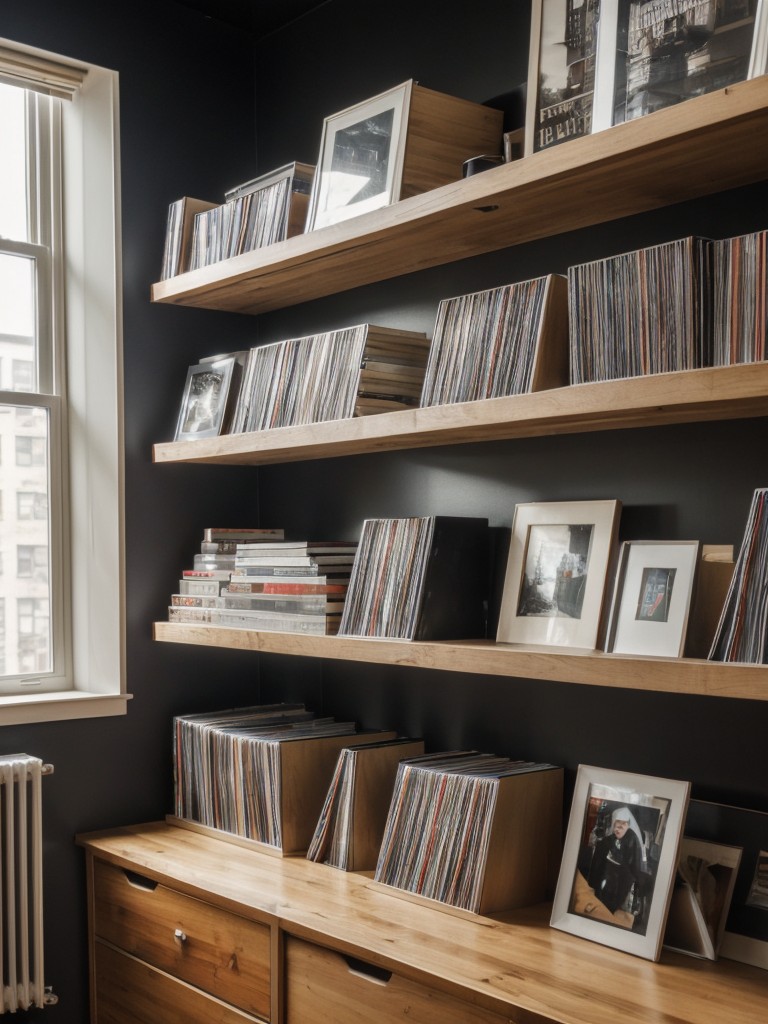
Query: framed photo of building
[(620, 859), (561, 72), (651, 57), (559, 558), (206, 398), (360, 165), (652, 597)]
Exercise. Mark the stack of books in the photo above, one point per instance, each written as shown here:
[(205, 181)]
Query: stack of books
[(330, 376), (260, 773), (742, 631), (267, 209), (473, 831), (419, 578), (505, 341), (647, 311), (740, 298), (272, 585), (350, 828)]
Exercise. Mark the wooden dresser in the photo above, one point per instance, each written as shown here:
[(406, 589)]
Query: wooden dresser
[(186, 929)]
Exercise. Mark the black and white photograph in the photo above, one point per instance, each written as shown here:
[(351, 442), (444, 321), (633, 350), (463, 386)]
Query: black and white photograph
[(557, 570), (555, 575), (620, 859), (204, 405)]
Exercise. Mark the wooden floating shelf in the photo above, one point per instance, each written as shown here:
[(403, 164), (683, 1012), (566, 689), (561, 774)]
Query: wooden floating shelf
[(731, 392), (483, 657), (705, 145)]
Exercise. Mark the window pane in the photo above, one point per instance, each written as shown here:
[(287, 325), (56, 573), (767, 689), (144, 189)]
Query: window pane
[(13, 170), (17, 323), (25, 585)]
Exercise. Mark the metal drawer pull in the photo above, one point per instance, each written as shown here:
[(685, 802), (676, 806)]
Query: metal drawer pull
[(180, 936)]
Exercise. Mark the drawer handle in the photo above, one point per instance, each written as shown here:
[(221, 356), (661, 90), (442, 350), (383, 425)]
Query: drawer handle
[(180, 936), (139, 881), (369, 972)]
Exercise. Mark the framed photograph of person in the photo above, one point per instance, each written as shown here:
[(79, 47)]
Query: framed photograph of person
[(620, 859), (360, 165), (652, 597), (560, 556), (745, 935), (206, 398)]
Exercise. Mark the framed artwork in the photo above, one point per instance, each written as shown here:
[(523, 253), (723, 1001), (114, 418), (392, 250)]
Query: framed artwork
[(206, 398), (706, 876), (650, 56), (561, 72), (745, 936), (652, 597), (360, 165), (620, 859), (559, 556)]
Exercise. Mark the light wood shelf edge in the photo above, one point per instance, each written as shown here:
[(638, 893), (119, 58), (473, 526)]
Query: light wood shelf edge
[(729, 392), (484, 657), (705, 145)]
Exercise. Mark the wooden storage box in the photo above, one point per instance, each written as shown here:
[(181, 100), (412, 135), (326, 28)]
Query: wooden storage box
[(398, 144)]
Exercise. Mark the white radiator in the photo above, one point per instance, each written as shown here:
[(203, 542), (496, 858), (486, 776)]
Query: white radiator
[(21, 883)]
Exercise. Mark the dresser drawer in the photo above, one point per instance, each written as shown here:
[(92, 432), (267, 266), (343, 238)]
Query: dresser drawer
[(128, 991), (323, 987), (220, 952)]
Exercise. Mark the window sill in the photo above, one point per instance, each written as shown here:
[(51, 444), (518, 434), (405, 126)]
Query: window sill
[(20, 709)]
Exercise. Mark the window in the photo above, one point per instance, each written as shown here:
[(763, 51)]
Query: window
[(60, 406)]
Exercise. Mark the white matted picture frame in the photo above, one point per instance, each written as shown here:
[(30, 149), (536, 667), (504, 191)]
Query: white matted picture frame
[(620, 859), (652, 597), (360, 165), (206, 398), (560, 556), (650, 57)]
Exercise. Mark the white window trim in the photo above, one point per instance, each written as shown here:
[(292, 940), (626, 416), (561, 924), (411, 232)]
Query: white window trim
[(93, 318)]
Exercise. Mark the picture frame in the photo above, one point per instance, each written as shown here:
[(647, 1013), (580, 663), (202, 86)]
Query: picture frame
[(622, 900), (360, 164), (206, 400), (745, 936), (561, 72), (652, 597), (701, 899), (560, 556), (648, 59)]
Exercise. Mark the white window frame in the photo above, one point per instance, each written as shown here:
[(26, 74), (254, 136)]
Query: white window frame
[(92, 481)]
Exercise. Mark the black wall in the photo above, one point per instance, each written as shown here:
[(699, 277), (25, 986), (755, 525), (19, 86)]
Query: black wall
[(187, 106)]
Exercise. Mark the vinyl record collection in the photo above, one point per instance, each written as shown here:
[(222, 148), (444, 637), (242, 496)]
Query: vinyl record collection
[(259, 213), (260, 773), (740, 298), (330, 376), (443, 823), (486, 344), (351, 824), (647, 311), (418, 578), (263, 582), (743, 627)]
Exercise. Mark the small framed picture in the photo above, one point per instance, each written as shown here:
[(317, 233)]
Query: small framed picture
[(652, 597), (701, 899), (620, 859), (561, 72), (745, 936), (205, 403), (360, 165), (559, 558), (650, 57)]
